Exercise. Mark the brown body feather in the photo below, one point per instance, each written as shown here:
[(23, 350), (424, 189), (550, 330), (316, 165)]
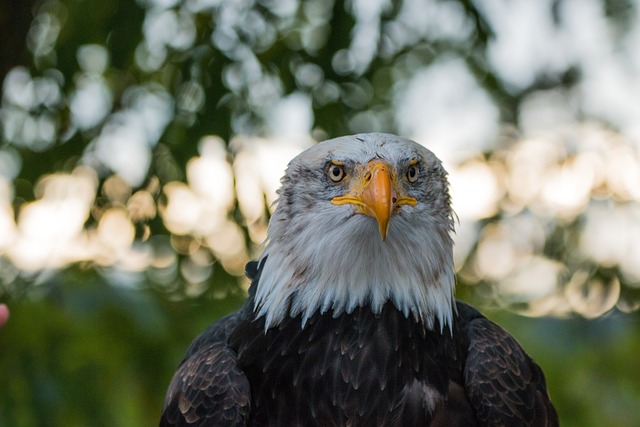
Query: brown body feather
[(353, 323), (357, 369)]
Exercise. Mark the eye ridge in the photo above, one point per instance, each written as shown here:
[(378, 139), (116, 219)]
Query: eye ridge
[(336, 172)]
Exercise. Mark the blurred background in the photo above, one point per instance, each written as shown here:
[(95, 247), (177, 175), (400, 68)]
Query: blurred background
[(142, 143)]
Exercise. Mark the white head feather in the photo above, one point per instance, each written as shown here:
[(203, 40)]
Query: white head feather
[(322, 256)]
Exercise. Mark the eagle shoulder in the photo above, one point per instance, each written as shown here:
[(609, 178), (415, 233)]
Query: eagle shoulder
[(209, 388), (505, 387)]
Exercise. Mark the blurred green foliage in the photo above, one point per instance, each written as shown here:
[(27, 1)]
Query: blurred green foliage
[(90, 344), (81, 352)]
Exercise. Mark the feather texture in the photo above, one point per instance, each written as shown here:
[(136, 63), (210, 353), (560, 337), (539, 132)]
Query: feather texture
[(342, 328), (323, 256), (358, 369)]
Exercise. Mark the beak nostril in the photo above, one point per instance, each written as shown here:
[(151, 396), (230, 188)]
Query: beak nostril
[(367, 177), (394, 200)]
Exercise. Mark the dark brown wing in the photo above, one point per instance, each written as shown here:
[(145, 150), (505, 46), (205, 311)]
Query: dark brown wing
[(209, 389), (504, 385)]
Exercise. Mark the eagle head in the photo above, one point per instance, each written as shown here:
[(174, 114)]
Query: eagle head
[(360, 221)]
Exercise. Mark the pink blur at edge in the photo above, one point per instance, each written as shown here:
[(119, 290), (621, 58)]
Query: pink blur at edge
[(4, 314)]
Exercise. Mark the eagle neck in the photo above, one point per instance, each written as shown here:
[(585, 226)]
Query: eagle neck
[(317, 272)]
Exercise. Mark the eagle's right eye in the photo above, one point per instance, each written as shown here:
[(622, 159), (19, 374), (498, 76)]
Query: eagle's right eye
[(336, 172), (412, 173)]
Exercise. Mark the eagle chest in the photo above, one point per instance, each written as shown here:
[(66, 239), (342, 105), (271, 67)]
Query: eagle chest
[(354, 369)]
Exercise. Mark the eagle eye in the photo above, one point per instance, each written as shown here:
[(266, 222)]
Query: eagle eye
[(336, 172), (412, 173)]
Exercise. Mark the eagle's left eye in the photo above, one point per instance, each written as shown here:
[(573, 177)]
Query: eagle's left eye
[(412, 173), (336, 172)]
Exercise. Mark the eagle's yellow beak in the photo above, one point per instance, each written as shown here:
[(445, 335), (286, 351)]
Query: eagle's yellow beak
[(374, 193)]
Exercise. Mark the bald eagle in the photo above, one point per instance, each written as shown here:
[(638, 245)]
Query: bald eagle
[(351, 318)]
